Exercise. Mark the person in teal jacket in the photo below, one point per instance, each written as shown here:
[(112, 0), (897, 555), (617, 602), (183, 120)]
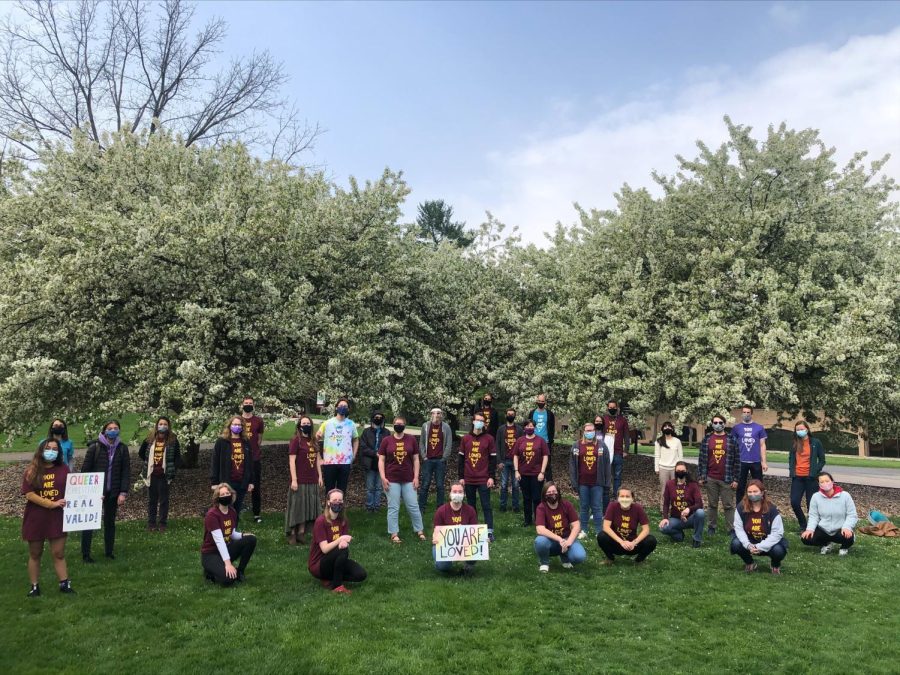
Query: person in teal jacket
[(806, 460), (60, 432)]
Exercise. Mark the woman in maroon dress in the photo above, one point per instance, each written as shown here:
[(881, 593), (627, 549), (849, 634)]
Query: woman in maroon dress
[(44, 487)]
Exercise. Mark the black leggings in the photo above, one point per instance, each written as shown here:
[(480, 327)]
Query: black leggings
[(531, 496), (337, 567), (777, 553), (336, 476), (158, 498), (611, 548), (110, 508), (256, 495), (240, 551), (821, 537)]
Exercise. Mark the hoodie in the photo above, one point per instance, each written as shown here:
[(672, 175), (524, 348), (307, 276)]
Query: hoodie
[(832, 513)]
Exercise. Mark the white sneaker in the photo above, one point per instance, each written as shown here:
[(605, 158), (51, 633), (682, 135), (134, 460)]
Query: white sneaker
[(568, 566), (582, 535), (544, 568), (826, 549), (844, 551)]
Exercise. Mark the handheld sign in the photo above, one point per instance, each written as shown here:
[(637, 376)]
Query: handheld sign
[(84, 502), (461, 543)]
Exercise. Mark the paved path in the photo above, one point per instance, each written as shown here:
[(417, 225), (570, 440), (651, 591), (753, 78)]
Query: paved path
[(858, 475)]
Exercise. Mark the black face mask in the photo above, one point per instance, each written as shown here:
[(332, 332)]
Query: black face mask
[(552, 500), (681, 474), (225, 501), (487, 403), (377, 421), (306, 429), (248, 408), (598, 424), (510, 418), (542, 404), (59, 431), (668, 432), (399, 428), (613, 411)]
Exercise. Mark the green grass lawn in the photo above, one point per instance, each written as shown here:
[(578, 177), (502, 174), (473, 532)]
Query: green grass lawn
[(686, 611), (778, 456)]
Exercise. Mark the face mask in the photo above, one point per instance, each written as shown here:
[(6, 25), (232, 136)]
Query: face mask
[(625, 502), (668, 432), (589, 435), (802, 433), (225, 501), (552, 499), (237, 428), (478, 425), (457, 497), (378, 421), (111, 434), (336, 508), (718, 426), (755, 498), (510, 418), (746, 418), (163, 429), (248, 408), (541, 405), (487, 403), (343, 410), (826, 487), (51, 455), (306, 429), (598, 423), (59, 431), (681, 474), (529, 431), (399, 428), (613, 412)]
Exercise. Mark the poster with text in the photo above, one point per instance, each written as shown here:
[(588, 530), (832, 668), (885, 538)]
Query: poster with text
[(84, 502), (461, 543)]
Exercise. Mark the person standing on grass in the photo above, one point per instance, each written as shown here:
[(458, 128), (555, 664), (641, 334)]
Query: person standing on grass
[(506, 438), (398, 465), (667, 452), (109, 456), (626, 529), (222, 543), (683, 507), (329, 551), (751, 441), (435, 446), (44, 488), (486, 410), (339, 437), (589, 471), (615, 431), (758, 529), (530, 458), (305, 467), (253, 432), (832, 517), (59, 431), (477, 468), (805, 462), (162, 452), (557, 529), (229, 462), (369, 442), (454, 513), (545, 427), (717, 466)]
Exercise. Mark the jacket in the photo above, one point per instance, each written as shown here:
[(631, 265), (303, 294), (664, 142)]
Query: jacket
[(369, 442), (832, 513), (816, 458), (220, 466), (448, 440), (732, 459), (492, 426), (772, 522), (604, 465), (172, 457), (500, 440), (551, 425), (96, 460)]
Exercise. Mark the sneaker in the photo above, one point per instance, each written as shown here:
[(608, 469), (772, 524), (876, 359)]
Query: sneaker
[(35, 591), (825, 550), (606, 561), (491, 537), (257, 519), (161, 528), (503, 508), (151, 528), (342, 590), (750, 568), (544, 569), (210, 576), (515, 509), (568, 566), (468, 570), (582, 535), (776, 570), (240, 577), (844, 551), (89, 560), (111, 556), (695, 544), (66, 587), (711, 532)]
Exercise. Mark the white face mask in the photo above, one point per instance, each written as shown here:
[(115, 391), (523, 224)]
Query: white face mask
[(826, 486), (457, 497), (625, 502)]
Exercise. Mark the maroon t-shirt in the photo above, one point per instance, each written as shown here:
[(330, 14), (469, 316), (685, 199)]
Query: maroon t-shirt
[(327, 532), (445, 515), (216, 520), (238, 460), (531, 452), (399, 455), (39, 522), (678, 497), (626, 523), (559, 520), (756, 526), (509, 437), (159, 448), (53, 486), (616, 426), (588, 454), (716, 449), (476, 450), (304, 460), (434, 448), (253, 429)]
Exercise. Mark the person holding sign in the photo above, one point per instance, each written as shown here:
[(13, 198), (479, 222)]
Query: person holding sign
[(329, 551), (530, 457), (44, 487), (231, 461), (683, 507), (620, 534), (454, 513), (305, 466), (398, 464), (758, 529), (162, 453), (557, 531), (477, 468), (109, 456), (222, 543), (589, 470)]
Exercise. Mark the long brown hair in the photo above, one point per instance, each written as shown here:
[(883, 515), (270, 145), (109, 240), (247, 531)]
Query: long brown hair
[(798, 442), (341, 516), (170, 435), (764, 505), (34, 474), (226, 432), (313, 443)]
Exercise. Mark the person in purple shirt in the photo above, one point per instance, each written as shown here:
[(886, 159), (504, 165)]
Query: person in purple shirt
[(750, 438), (109, 456)]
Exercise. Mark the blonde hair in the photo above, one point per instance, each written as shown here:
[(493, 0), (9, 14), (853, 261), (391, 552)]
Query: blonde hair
[(215, 492)]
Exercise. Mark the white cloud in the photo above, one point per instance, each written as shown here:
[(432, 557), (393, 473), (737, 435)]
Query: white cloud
[(787, 15), (850, 93)]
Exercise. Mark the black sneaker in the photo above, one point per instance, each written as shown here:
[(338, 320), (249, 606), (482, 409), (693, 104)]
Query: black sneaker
[(468, 570), (35, 591), (210, 576), (711, 532), (695, 544), (503, 508), (111, 556), (66, 587), (515, 509), (240, 577), (89, 560)]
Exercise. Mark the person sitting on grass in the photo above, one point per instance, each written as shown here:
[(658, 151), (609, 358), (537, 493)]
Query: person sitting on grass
[(620, 535), (758, 529), (329, 550), (557, 528), (456, 512), (832, 517), (222, 543), (683, 507)]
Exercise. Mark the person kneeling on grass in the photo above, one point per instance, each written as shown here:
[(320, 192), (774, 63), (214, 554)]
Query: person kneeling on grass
[(620, 534), (557, 528), (832, 517), (222, 543), (758, 529), (453, 513), (683, 507), (329, 550)]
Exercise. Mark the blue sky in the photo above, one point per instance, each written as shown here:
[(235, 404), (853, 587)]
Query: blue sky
[(524, 108)]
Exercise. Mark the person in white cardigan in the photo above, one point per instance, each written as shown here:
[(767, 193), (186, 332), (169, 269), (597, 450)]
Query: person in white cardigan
[(667, 452), (832, 517)]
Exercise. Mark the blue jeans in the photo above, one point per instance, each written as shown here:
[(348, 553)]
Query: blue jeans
[(373, 489), (446, 565), (617, 462), (508, 480), (436, 468), (407, 493), (544, 548), (590, 497), (675, 528)]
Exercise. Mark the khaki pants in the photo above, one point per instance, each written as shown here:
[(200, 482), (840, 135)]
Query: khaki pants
[(718, 489), (665, 475)]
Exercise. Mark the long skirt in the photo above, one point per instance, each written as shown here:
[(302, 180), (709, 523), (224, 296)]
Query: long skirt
[(302, 505)]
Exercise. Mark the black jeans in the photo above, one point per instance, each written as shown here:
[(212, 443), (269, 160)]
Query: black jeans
[(158, 499), (801, 487), (821, 537), (337, 567), (755, 471), (336, 476), (256, 495), (239, 494), (611, 548), (485, 494), (240, 551), (777, 553), (110, 508), (531, 496)]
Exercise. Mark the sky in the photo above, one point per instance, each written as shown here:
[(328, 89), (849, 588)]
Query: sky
[(523, 109)]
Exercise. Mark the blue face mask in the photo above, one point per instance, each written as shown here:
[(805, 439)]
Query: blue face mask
[(755, 498), (342, 410), (589, 435), (478, 425), (802, 433), (50, 455), (111, 434)]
